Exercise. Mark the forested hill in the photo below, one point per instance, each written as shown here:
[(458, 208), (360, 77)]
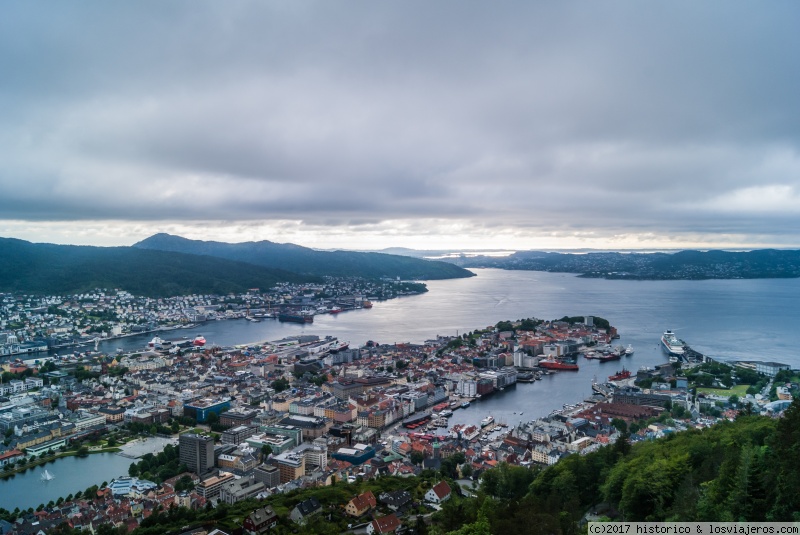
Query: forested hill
[(694, 265), (40, 268), (308, 261)]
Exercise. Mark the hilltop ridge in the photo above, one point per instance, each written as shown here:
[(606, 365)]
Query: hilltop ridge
[(303, 260)]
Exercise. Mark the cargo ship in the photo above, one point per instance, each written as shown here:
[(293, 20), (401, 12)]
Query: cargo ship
[(302, 317), (552, 364), (620, 375)]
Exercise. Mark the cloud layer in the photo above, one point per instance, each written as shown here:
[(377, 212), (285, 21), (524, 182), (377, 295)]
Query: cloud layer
[(403, 123)]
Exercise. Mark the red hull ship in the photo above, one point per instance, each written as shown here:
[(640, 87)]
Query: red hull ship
[(551, 364), (620, 375)]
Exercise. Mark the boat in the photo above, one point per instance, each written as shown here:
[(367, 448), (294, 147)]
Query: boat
[(487, 421), (155, 343), (199, 341), (609, 357), (447, 413), (465, 404), (629, 350), (47, 476), (620, 375), (302, 317), (553, 364), (672, 345), (334, 310), (366, 304)]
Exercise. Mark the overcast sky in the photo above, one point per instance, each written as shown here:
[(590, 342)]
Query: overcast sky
[(402, 123)]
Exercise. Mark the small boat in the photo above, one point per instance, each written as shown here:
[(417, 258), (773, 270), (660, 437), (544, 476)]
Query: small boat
[(47, 476), (465, 404), (629, 350)]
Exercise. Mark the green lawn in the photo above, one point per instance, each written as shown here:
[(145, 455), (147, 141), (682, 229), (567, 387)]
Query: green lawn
[(739, 390)]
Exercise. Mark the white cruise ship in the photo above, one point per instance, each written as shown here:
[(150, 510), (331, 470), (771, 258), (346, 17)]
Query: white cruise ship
[(671, 344)]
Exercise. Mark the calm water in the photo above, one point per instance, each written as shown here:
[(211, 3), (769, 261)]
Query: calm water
[(736, 319), (72, 474)]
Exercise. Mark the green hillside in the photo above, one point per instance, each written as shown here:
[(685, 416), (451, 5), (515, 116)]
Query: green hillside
[(310, 262), (63, 269)]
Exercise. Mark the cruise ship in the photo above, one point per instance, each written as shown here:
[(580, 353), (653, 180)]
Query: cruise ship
[(671, 344)]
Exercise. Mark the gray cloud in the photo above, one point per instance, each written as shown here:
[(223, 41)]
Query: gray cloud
[(594, 120)]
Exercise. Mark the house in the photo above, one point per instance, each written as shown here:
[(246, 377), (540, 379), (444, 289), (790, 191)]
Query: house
[(361, 504), (439, 493), (384, 524), (395, 500), (304, 509), (260, 521)]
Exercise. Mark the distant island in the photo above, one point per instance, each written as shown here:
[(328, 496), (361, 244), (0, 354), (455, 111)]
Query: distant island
[(683, 265)]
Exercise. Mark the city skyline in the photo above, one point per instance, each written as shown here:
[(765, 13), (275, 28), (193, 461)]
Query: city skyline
[(449, 126)]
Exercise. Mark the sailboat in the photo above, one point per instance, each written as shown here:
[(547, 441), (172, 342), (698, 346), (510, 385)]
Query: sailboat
[(47, 476)]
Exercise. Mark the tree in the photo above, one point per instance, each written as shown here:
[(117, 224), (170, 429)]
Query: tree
[(416, 457), (266, 450), (279, 385)]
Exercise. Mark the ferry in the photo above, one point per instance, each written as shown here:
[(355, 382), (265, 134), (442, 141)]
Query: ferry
[(487, 421), (339, 346), (199, 341), (672, 345)]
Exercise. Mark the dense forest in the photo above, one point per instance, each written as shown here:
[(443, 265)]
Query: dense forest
[(309, 261)]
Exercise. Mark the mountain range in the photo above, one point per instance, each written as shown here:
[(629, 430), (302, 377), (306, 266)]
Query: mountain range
[(309, 261), (165, 265)]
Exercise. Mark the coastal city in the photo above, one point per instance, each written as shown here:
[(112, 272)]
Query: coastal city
[(33, 324), (207, 426)]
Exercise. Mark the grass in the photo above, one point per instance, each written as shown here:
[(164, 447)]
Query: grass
[(739, 390)]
